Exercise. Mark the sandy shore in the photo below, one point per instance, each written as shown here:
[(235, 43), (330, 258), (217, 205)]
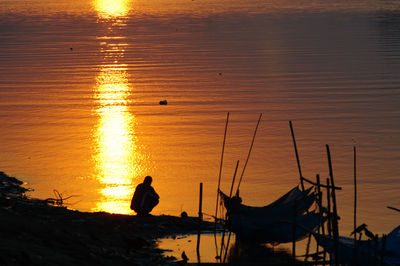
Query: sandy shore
[(33, 232)]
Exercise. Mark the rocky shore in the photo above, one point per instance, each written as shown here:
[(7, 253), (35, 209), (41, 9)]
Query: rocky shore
[(35, 232)]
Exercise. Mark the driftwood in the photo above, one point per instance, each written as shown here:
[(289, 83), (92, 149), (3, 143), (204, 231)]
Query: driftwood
[(58, 200)]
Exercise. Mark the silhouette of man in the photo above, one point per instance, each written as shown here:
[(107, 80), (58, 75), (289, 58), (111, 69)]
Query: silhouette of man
[(145, 197)]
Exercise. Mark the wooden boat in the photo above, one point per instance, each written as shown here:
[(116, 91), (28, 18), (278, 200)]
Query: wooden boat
[(369, 252), (274, 223)]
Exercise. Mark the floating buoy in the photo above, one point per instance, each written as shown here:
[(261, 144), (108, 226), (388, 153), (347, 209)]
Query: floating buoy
[(164, 102)]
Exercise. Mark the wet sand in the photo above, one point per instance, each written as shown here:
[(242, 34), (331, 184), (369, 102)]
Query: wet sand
[(34, 232)]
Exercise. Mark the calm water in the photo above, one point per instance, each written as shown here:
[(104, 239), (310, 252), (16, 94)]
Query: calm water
[(80, 83)]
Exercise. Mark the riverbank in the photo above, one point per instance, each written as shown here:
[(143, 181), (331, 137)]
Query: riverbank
[(33, 232)]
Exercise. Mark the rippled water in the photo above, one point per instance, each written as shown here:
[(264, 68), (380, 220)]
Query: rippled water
[(81, 81)]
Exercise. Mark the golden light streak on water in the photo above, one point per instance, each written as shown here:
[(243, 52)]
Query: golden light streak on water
[(112, 8), (117, 158), (117, 155)]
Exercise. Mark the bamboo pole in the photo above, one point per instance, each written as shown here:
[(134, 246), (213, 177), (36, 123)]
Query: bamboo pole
[(297, 155), (294, 232), (201, 202), (220, 166), (328, 200), (200, 220), (223, 233), (219, 183), (320, 228), (248, 155), (383, 249), (334, 207), (230, 195), (308, 247), (393, 208), (376, 246), (355, 207), (321, 185), (233, 180)]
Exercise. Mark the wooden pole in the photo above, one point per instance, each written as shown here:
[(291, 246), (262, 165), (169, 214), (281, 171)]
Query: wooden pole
[(297, 155), (355, 208), (200, 220), (334, 208), (248, 155)]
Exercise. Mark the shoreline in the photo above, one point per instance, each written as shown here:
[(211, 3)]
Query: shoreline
[(33, 232)]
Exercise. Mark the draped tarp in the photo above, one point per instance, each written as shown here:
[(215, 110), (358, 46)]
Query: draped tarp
[(273, 223)]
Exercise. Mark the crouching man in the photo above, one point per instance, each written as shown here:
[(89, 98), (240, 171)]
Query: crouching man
[(145, 198)]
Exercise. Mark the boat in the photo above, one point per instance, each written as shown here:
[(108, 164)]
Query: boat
[(369, 252), (274, 223)]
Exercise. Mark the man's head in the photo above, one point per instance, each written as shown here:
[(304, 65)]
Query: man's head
[(147, 180)]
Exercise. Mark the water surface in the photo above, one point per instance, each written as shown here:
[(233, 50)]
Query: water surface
[(80, 83)]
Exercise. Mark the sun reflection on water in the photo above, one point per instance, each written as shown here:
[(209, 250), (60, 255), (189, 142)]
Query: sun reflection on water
[(117, 154), (112, 8)]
